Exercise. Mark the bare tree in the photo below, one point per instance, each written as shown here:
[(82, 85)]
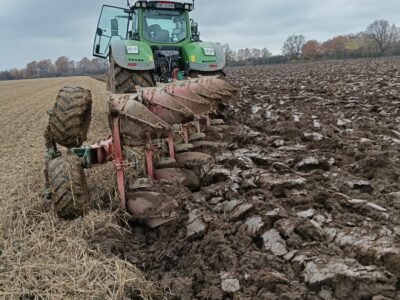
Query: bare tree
[(293, 45), (104, 65), (84, 65), (246, 53), (383, 34), (62, 65), (6, 75), (45, 68), (98, 66), (16, 74), (240, 55), (229, 53), (255, 53), (31, 70), (265, 53), (71, 66)]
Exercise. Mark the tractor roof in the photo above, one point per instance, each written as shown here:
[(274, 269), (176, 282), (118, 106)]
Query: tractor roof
[(171, 5)]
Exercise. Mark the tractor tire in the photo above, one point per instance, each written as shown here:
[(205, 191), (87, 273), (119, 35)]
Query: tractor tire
[(70, 118), (68, 187), (124, 81)]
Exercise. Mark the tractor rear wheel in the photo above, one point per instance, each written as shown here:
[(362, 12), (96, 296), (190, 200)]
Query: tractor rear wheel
[(124, 81), (68, 187), (70, 118)]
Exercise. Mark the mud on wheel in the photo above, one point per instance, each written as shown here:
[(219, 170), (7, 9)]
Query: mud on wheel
[(124, 81), (70, 118), (68, 187)]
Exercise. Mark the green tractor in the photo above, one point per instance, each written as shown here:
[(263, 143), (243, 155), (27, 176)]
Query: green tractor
[(165, 88), (153, 41)]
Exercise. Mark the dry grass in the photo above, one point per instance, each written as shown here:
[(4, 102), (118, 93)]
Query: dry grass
[(41, 256), (44, 257)]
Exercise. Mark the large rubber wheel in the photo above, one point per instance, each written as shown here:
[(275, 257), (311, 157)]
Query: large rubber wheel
[(124, 81), (70, 118), (68, 187)]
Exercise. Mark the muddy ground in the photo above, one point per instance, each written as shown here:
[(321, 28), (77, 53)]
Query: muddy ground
[(302, 203), (304, 200)]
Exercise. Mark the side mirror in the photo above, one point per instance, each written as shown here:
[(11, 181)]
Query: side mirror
[(99, 31), (195, 27), (135, 36), (114, 27), (195, 31), (97, 49)]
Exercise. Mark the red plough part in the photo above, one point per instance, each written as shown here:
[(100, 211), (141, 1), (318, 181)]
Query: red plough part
[(162, 118)]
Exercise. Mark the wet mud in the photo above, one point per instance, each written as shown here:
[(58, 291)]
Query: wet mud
[(303, 200)]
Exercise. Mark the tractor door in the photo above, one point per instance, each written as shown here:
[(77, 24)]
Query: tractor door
[(113, 24)]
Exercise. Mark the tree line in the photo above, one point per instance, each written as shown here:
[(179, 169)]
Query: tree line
[(63, 66), (379, 39)]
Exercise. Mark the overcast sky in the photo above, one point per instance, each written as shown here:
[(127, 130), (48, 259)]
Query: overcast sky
[(38, 29)]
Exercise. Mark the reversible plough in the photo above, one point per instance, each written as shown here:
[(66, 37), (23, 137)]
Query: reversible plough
[(160, 123)]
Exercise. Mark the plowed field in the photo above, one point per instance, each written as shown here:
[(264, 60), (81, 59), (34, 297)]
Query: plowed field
[(303, 202)]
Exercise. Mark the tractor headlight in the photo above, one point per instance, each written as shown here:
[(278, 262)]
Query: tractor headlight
[(132, 49), (209, 51), (187, 6)]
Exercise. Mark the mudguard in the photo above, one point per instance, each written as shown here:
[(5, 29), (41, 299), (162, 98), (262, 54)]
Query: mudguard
[(132, 55), (197, 58)]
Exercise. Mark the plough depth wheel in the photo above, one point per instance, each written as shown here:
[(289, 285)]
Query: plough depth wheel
[(69, 191), (70, 117)]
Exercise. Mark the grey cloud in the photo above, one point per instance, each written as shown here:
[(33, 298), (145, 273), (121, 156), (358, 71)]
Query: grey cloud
[(268, 23)]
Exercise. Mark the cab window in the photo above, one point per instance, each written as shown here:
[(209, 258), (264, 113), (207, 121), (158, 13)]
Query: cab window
[(163, 26), (113, 24)]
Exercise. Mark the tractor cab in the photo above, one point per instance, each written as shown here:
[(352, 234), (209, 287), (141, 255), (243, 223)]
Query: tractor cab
[(163, 22), (157, 37), (155, 22), (161, 26)]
